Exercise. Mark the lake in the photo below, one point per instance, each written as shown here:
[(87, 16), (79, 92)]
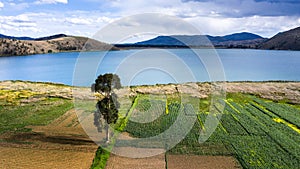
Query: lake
[(155, 66)]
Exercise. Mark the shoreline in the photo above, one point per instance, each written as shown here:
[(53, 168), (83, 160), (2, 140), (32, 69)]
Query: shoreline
[(148, 85), (280, 91)]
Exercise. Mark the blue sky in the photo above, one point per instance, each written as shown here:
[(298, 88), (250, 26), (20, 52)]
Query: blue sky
[(38, 18)]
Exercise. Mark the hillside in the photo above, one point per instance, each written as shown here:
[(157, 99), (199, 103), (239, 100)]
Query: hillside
[(51, 44), (289, 40), (241, 40)]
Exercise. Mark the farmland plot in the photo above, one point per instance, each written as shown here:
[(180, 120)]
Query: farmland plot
[(259, 133)]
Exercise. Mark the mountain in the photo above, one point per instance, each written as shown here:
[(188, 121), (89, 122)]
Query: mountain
[(29, 38), (236, 37), (17, 38), (51, 37), (50, 44), (288, 40), (243, 39)]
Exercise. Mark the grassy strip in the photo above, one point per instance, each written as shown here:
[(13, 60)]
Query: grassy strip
[(100, 159), (121, 124)]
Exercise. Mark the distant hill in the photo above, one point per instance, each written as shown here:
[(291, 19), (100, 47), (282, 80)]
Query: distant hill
[(51, 44), (17, 38), (51, 37), (235, 37), (289, 40), (29, 38), (243, 39)]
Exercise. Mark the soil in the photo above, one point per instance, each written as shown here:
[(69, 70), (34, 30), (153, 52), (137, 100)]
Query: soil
[(38, 158), (172, 162), (277, 91), (118, 162), (203, 162), (289, 91), (61, 144)]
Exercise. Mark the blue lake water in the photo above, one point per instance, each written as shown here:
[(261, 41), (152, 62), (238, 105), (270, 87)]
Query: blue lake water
[(154, 66)]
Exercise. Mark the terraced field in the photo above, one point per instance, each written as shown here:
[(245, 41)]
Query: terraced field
[(40, 129), (258, 133)]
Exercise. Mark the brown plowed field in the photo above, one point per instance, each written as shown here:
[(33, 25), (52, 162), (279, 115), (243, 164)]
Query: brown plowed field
[(203, 162), (155, 162)]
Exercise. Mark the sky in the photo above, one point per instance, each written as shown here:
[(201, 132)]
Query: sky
[(38, 18)]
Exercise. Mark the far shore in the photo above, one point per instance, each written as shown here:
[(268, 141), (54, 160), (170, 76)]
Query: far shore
[(148, 47)]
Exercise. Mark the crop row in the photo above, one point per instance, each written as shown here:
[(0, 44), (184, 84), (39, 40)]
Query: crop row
[(278, 133), (288, 113)]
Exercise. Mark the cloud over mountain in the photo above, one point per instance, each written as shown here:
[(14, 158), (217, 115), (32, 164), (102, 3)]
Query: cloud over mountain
[(86, 17)]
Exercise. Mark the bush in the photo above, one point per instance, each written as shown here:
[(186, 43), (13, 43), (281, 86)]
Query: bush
[(100, 159)]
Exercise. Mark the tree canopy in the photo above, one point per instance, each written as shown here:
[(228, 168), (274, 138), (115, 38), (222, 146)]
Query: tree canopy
[(106, 83)]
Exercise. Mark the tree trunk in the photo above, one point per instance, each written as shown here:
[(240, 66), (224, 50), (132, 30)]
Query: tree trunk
[(107, 125), (107, 133)]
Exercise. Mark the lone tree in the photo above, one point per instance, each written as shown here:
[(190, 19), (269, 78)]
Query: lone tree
[(108, 106), (106, 83)]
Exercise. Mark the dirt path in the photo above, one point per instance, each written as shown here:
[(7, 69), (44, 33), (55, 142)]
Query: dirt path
[(61, 144)]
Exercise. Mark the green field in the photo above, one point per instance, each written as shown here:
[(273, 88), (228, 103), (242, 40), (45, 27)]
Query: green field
[(259, 133), (16, 112)]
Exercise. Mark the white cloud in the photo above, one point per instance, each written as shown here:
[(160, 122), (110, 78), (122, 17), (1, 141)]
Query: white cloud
[(105, 19), (17, 28), (21, 19), (51, 1), (215, 18), (137, 26), (79, 21), (37, 24), (1, 5), (18, 25), (18, 6)]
